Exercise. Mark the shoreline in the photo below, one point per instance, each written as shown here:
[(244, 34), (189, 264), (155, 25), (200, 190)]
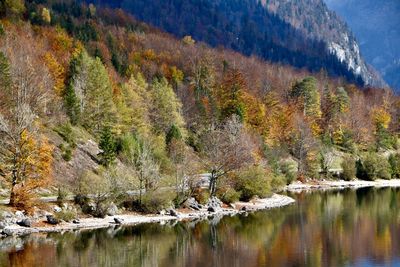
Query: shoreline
[(131, 219), (339, 184)]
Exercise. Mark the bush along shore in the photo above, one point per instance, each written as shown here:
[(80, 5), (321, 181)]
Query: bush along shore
[(17, 223), (65, 217)]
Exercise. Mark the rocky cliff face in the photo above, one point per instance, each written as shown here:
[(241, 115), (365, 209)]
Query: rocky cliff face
[(376, 26), (314, 19)]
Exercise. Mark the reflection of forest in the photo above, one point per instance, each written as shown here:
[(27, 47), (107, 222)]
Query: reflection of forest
[(322, 229)]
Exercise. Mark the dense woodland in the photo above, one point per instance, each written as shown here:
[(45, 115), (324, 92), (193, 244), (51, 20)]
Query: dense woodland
[(161, 111), (245, 26)]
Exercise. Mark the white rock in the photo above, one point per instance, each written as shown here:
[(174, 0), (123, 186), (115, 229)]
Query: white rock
[(57, 209)]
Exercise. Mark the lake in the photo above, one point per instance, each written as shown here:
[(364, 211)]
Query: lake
[(336, 228)]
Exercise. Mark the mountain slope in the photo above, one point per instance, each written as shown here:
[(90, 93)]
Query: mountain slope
[(376, 26), (313, 18), (249, 27)]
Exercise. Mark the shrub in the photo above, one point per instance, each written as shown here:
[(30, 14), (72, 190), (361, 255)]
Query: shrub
[(394, 161), (65, 215), (289, 171), (81, 199), (180, 198), (229, 195), (201, 195), (67, 134), (66, 152), (25, 199), (103, 188), (367, 167), (372, 167), (153, 202), (384, 169), (278, 181), (349, 168), (312, 165), (253, 181), (62, 195)]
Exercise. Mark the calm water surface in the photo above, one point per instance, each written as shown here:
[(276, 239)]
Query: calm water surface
[(343, 228)]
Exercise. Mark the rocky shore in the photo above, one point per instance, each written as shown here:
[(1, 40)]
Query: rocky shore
[(18, 224), (340, 184)]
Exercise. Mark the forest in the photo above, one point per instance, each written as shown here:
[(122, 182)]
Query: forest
[(245, 26), (97, 104)]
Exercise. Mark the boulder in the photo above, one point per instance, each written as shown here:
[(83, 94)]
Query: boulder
[(52, 220), (161, 212), (118, 220), (57, 209), (76, 221), (112, 210), (25, 223), (191, 203), (8, 231), (19, 214), (212, 209), (173, 212), (214, 204)]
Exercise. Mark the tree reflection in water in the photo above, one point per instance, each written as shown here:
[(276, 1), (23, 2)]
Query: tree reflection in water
[(336, 228)]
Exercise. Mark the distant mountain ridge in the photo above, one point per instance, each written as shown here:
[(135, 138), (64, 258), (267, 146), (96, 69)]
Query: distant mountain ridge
[(255, 28), (315, 20), (376, 26)]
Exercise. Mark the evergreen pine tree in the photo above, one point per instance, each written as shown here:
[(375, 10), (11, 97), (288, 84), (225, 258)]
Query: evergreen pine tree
[(108, 146), (72, 105), (173, 133)]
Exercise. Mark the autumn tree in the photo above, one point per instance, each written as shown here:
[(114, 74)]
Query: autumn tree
[(304, 148), (230, 95), (25, 157), (337, 104), (138, 153), (167, 109), (279, 122), (134, 105), (307, 94), (57, 72), (202, 82), (89, 92), (46, 17), (381, 119), (12, 7), (226, 148)]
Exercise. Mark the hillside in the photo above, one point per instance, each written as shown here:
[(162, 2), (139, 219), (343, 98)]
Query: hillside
[(266, 31), (97, 104), (375, 24), (316, 21)]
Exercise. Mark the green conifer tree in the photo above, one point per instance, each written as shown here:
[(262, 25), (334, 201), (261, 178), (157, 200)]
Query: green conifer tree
[(108, 146)]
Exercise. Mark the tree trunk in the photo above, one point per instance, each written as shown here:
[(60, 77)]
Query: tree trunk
[(12, 193), (213, 181)]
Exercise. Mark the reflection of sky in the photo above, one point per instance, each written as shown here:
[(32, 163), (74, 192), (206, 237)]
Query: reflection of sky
[(372, 263)]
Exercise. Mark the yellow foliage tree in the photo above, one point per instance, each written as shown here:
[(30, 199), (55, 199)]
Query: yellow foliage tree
[(29, 167), (256, 113), (46, 17), (57, 72), (381, 117)]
